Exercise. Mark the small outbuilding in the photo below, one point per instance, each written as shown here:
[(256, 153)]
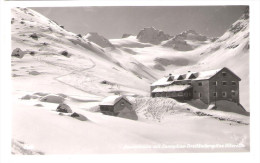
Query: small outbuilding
[(118, 106)]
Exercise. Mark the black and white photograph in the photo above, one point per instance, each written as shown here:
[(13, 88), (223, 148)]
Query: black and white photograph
[(130, 79)]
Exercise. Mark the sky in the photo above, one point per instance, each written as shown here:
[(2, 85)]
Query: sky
[(113, 22)]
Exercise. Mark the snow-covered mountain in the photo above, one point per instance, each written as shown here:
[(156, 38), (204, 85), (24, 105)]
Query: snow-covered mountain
[(126, 35), (98, 39), (187, 40), (152, 35)]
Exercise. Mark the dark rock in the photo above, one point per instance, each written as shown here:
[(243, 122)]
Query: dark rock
[(74, 114), (64, 108)]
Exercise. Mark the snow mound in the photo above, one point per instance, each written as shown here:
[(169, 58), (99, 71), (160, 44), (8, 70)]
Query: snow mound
[(98, 39), (28, 97), (152, 35), (34, 73), (157, 109), (128, 114), (52, 99)]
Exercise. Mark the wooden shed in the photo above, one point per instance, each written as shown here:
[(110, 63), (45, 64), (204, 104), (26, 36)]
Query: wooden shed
[(118, 106)]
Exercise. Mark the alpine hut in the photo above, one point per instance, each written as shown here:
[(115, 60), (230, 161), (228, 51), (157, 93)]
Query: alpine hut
[(118, 105)]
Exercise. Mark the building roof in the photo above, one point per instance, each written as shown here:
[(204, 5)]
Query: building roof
[(112, 100), (172, 88), (164, 81), (204, 75)]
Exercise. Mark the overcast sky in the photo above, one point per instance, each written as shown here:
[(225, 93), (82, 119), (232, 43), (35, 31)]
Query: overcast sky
[(113, 22)]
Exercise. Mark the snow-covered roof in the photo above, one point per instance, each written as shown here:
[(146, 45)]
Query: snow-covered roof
[(172, 88), (207, 74), (163, 81), (112, 100), (204, 75)]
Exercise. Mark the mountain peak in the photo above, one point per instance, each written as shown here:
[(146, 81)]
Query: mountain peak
[(98, 39), (125, 35), (152, 35)]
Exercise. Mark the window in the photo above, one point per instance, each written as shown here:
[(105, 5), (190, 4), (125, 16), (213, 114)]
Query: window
[(200, 84), (215, 83), (233, 92), (122, 103), (189, 83), (170, 78), (224, 74), (224, 94), (215, 94), (180, 94), (233, 83), (224, 83), (200, 94)]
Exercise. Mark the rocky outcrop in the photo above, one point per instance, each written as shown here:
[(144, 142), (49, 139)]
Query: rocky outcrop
[(152, 35)]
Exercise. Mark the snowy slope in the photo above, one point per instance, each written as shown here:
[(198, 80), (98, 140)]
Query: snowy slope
[(98, 39), (52, 133), (85, 66)]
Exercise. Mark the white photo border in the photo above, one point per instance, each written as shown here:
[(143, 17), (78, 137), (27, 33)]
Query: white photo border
[(6, 88)]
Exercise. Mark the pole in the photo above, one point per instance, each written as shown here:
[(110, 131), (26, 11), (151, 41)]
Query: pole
[(216, 94)]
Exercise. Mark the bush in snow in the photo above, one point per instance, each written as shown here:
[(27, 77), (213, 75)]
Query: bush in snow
[(26, 97), (79, 35), (52, 99), (34, 36), (32, 53), (65, 53), (64, 108), (34, 73)]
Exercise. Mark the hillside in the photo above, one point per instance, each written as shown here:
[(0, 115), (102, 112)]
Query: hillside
[(57, 55)]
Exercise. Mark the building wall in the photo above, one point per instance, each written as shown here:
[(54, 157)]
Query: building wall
[(107, 109), (180, 95), (205, 91), (202, 90), (121, 104), (220, 88)]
